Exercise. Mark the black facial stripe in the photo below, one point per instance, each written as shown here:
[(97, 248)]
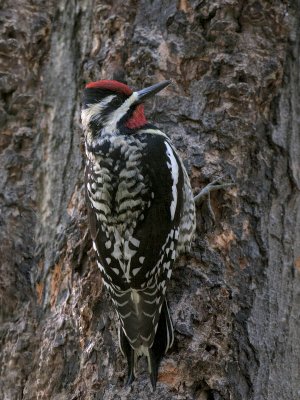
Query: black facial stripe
[(95, 125), (130, 131), (127, 115), (111, 107)]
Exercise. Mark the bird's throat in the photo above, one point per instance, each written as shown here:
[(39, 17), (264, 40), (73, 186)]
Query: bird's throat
[(137, 119)]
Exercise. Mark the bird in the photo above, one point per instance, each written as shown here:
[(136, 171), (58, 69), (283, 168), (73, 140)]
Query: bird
[(141, 214)]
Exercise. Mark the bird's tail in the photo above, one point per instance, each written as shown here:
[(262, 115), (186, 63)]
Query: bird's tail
[(130, 355), (163, 340)]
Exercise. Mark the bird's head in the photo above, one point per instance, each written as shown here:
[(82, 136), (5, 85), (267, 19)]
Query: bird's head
[(112, 105)]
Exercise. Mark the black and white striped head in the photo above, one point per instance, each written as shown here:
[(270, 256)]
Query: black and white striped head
[(112, 105)]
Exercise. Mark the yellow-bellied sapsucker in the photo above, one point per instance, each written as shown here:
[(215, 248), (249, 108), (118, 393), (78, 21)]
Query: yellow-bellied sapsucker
[(141, 214)]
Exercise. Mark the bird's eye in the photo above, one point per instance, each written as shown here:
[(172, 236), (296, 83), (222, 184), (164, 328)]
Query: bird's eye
[(117, 102)]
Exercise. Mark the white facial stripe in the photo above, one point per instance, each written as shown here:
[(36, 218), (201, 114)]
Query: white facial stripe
[(95, 109), (153, 131), (175, 173), (121, 111)]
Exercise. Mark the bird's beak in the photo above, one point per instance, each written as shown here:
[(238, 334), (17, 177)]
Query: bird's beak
[(151, 90)]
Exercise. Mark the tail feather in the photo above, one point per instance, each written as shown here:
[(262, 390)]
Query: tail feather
[(164, 339), (129, 353)]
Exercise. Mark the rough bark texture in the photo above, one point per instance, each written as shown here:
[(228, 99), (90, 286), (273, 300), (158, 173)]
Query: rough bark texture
[(233, 112)]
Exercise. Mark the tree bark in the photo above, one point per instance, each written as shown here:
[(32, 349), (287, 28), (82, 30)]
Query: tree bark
[(232, 112)]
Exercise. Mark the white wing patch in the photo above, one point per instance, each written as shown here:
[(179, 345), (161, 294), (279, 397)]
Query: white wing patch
[(173, 166)]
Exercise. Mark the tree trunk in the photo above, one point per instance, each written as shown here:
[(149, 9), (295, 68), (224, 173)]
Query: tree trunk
[(232, 112)]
